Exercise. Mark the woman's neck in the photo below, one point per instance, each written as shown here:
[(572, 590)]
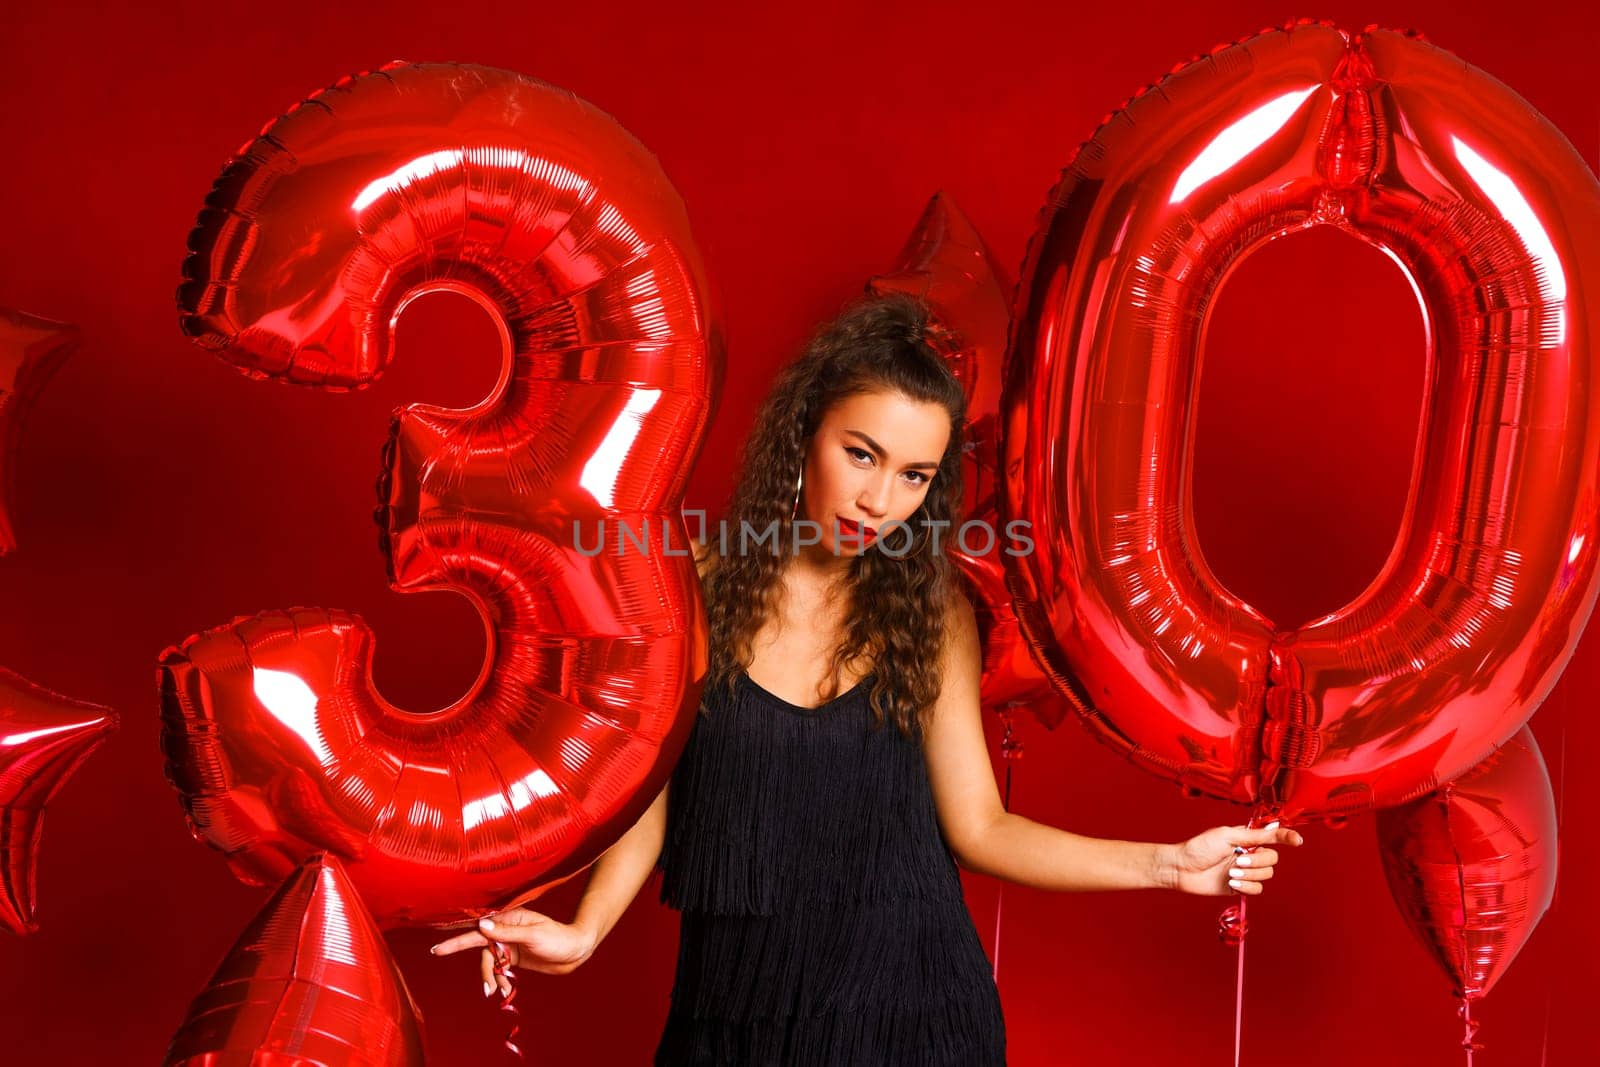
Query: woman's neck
[(819, 563)]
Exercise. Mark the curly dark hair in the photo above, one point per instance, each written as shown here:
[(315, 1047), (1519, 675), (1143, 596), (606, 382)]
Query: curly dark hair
[(900, 600)]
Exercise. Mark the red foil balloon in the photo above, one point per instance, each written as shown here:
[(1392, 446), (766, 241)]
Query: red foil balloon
[(389, 185), (31, 349), (1012, 677), (44, 738), (946, 263), (1496, 220), (310, 981), (1472, 866)]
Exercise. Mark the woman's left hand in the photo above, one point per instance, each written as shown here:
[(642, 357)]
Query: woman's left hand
[(1227, 859)]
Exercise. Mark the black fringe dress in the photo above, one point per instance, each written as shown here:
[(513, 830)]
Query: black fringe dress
[(822, 918)]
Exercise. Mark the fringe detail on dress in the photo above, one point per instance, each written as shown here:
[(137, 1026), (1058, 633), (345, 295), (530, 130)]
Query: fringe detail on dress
[(772, 808), (957, 1033), (901, 954), (822, 916)]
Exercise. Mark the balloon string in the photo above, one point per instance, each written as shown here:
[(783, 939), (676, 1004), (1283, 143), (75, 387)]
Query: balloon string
[(1011, 750), (1469, 1029), (1555, 899), (502, 968), (1232, 925), (1238, 991)]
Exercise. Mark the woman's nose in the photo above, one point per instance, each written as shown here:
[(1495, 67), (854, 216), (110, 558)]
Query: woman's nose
[(875, 499)]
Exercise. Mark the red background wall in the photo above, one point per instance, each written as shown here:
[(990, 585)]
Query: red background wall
[(161, 493)]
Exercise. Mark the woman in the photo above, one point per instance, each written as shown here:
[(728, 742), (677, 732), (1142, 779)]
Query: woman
[(837, 773)]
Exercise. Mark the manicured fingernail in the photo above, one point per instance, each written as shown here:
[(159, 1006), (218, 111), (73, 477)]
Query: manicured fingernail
[(434, 951), (1243, 861), (1273, 825), (488, 988), (486, 924), (1235, 883), (1235, 873)]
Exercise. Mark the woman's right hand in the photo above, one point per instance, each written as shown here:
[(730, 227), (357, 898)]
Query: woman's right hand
[(531, 940)]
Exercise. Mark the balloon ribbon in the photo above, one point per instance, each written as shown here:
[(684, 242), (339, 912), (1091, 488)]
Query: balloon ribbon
[(502, 968), (1011, 749)]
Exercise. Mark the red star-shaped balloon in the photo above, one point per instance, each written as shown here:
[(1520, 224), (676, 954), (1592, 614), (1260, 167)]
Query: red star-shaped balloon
[(310, 981), (31, 349), (44, 737), (946, 264)]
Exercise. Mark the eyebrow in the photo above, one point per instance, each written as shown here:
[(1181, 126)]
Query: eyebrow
[(876, 447)]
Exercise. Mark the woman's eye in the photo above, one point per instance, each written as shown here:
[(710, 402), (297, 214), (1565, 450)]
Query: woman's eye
[(854, 452), (922, 479)]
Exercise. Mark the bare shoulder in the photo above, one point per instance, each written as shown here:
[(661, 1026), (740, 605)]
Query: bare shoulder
[(960, 619), (961, 652)]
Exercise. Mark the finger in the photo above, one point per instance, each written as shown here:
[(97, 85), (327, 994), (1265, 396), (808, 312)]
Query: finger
[(470, 939), (486, 968), (1250, 874), (521, 932), (1255, 837), (518, 917), (1244, 886), (1261, 857)]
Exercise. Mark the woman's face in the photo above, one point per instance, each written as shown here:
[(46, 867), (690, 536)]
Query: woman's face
[(870, 462)]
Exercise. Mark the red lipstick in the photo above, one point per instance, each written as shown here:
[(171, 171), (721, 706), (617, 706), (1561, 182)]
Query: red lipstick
[(855, 529)]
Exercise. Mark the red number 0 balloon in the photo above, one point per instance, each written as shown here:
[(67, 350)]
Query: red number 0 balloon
[(1473, 617), (389, 185)]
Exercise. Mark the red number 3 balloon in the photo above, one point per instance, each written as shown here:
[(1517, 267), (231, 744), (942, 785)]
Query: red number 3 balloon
[(389, 185), (1477, 610)]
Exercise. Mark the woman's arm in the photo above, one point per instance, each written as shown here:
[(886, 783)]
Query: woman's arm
[(618, 875), (534, 940), (985, 838)]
